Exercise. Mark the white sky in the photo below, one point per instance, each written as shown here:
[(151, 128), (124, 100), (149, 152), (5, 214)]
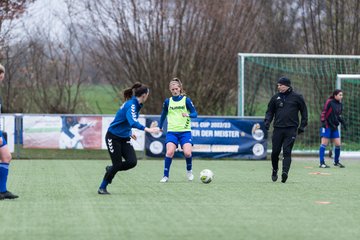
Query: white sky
[(44, 14)]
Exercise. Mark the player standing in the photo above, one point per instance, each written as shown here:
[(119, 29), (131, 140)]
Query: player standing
[(330, 120), (178, 109), (5, 158)]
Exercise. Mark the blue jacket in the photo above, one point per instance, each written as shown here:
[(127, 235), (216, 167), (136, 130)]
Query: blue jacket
[(126, 118)]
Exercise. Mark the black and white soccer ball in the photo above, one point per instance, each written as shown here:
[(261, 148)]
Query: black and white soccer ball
[(206, 176)]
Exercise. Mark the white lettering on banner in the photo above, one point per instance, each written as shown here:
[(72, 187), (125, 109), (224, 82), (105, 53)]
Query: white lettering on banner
[(204, 124), (227, 134), (194, 124), (221, 125), (207, 133), (224, 148), (201, 148), (195, 133)]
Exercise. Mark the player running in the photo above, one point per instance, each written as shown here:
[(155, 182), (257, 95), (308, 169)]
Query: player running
[(117, 138)]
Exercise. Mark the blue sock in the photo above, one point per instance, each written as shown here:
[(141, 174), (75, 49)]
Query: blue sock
[(167, 166), (104, 184), (337, 154), (4, 171), (189, 163), (322, 153)]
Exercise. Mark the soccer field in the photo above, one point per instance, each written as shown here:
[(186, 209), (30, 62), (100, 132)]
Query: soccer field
[(59, 200)]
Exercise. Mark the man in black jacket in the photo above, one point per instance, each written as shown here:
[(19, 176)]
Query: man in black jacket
[(285, 107)]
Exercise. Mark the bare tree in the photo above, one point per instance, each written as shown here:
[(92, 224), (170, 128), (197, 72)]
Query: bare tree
[(47, 70), (153, 41), (331, 26), (9, 10)]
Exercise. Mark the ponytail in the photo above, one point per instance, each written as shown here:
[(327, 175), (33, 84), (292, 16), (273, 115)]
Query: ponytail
[(136, 90), (336, 92)]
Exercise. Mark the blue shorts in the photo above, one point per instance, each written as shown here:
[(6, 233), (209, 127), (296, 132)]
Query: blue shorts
[(179, 137), (328, 133), (3, 139)]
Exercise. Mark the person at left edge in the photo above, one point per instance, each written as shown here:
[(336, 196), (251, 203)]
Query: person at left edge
[(117, 138), (5, 158), (284, 107)]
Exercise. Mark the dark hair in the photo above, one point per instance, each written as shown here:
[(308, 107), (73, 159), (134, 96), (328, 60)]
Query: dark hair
[(284, 81), (136, 90), (336, 92)]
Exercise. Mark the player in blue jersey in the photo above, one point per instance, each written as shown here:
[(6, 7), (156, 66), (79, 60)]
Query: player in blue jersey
[(330, 120), (178, 110), (118, 136), (5, 158)]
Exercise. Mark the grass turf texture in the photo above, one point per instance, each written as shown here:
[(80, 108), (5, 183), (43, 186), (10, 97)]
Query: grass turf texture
[(59, 200)]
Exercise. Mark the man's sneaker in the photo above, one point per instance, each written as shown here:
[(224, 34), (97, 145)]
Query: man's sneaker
[(103, 191), (7, 195), (274, 175), (324, 166), (164, 179), (284, 177), (339, 165), (190, 175)]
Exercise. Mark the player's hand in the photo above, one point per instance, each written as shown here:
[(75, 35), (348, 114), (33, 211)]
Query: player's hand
[(300, 131), (133, 136), (153, 130), (185, 114), (267, 125)]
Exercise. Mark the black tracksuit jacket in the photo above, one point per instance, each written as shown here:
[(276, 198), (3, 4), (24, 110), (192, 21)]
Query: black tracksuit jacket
[(285, 108)]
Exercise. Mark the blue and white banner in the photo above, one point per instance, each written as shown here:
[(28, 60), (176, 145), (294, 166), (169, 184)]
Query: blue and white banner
[(213, 137)]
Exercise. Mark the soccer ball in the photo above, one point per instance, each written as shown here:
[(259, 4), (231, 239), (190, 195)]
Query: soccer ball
[(206, 176)]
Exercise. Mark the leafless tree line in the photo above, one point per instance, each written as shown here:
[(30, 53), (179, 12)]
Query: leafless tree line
[(151, 41)]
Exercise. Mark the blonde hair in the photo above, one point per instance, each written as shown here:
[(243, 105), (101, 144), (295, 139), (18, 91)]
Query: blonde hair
[(179, 83), (2, 69)]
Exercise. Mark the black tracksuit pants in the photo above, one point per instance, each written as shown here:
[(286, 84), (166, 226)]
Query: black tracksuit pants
[(283, 138), (122, 155)]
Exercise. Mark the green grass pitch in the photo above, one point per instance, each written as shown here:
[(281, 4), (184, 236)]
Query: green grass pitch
[(59, 200)]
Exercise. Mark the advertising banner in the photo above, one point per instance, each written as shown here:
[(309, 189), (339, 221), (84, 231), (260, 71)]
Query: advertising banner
[(71, 132), (64, 132), (215, 137)]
